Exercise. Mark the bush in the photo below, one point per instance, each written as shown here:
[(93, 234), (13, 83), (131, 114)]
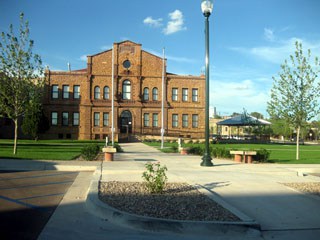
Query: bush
[(220, 152), (262, 155), (89, 152), (174, 148), (155, 177)]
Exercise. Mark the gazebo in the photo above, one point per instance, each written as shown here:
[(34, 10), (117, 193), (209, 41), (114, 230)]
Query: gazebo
[(243, 120)]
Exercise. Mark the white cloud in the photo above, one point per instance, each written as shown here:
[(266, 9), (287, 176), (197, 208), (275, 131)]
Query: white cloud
[(269, 34), (279, 50), (106, 47), (238, 95), (175, 24), (83, 57), (153, 22)]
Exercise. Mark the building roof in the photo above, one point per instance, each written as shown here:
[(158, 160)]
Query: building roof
[(243, 120)]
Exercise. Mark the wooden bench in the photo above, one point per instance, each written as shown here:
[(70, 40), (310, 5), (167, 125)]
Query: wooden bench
[(245, 155)]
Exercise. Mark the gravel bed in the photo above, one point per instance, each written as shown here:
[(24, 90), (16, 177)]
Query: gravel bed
[(179, 201), (306, 187)]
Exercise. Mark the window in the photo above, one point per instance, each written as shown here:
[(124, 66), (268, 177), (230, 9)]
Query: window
[(65, 119), (96, 119), (126, 64), (65, 91), (75, 119), (185, 94), (54, 118), (76, 91), (155, 94), (185, 120), (146, 94), (126, 90), (194, 94), (55, 92), (106, 92), (97, 92), (195, 120), (155, 119), (174, 94), (146, 119), (174, 120), (105, 119)]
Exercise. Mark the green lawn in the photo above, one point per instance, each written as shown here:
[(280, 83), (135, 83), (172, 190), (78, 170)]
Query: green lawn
[(44, 149), (279, 153)]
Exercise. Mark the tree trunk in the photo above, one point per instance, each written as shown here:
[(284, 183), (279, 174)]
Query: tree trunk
[(15, 136), (298, 142)]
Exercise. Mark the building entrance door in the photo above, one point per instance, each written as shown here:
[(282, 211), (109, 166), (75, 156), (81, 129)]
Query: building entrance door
[(125, 124)]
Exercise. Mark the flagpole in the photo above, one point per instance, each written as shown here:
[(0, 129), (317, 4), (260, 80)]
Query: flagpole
[(162, 99), (112, 98)]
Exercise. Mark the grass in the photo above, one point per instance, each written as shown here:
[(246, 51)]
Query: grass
[(44, 149), (279, 153)]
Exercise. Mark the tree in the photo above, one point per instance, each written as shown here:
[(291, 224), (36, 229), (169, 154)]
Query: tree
[(20, 69), (257, 115), (294, 94)]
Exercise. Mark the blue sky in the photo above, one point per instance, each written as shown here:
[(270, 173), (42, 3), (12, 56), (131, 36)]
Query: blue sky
[(249, 39)]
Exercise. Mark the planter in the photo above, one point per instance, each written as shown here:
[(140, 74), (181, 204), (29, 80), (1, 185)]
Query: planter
[(184, 151), (108, 153)]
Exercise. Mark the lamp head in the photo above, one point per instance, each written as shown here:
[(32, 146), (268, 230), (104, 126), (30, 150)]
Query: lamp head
[(206, 7)]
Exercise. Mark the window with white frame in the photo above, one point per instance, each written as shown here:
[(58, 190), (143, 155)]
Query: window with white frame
[(194, 94), (174, 120), (146, 94), (55, 92), (106, 92), (105, 119), (76, 91), (96, 119), (97, 92), (126, 90), (65, 91), (75, 118), (65, 119), (195, 120), (184, 120), (155, 120), (174, 94), (54, 118), (155, 94), (146, 120), (184, 94)]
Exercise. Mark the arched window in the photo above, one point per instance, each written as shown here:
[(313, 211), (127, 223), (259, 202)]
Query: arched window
[(146, 94), (126, 90), (155, 94), (106, 92), (97, 92)]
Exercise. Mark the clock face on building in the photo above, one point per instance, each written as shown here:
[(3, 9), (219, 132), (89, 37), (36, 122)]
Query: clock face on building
[(126, 64)]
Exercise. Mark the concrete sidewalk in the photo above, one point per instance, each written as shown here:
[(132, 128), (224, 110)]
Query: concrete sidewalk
[(252, 191)]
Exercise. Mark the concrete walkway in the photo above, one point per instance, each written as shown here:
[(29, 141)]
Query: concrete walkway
[(252, 191)]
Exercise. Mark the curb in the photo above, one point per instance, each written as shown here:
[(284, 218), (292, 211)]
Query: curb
[(100, 209)]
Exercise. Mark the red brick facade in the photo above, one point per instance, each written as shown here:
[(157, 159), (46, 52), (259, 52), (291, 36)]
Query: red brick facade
[(78, 103)]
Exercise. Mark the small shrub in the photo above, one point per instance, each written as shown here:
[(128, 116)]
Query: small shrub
[(174, 148), (155, 177), (262, 155), (89, 152)]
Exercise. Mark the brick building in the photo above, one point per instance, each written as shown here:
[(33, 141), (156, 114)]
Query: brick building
[(78, 103)]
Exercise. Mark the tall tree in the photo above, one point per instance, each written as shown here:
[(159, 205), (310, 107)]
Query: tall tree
[(294, 94), (20, 74)]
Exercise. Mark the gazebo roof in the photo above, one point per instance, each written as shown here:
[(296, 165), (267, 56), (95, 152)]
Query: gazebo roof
[(243, 120)]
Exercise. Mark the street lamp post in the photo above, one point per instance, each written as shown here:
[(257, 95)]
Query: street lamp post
[(206, 7)]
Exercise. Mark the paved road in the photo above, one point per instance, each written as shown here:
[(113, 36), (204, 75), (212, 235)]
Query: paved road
[(28, 199)]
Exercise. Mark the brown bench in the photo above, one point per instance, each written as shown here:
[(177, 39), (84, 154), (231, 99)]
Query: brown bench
[(245, 156)]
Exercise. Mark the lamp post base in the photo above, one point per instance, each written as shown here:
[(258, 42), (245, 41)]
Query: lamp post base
[(206, 161)]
